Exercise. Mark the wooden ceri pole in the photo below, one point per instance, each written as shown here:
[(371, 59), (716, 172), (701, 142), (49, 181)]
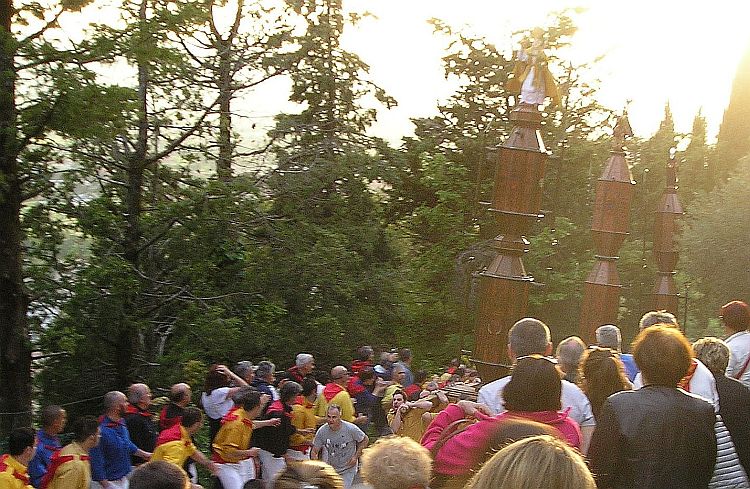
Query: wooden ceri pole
[(609, 228), (665, 295), (504, 285)]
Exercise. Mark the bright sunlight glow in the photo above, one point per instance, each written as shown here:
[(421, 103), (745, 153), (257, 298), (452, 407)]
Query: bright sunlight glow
[(656, 51), (685, 52)]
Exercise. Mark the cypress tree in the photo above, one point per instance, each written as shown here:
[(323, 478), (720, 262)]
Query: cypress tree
[(694, 175), (734, 134)]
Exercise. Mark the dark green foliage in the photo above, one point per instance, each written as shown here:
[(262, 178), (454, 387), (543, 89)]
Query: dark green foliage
[(139, 269), (181, 249), (713, 249), (436, 186), (331, 261), (49, 92), (695, 172)]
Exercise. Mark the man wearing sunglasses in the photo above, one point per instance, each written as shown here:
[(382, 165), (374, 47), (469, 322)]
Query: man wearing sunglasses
[(529, 337)]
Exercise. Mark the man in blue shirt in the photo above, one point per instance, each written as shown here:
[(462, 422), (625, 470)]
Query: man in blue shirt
[(608, 336), (110, 460), (264, 378), (53, 422), (404, 356)]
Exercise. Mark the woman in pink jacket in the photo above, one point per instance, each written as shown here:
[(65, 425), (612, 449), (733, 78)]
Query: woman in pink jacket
[(533, 393)]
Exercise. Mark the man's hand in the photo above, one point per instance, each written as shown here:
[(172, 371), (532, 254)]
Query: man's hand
[(267, 422), (470, 408), (361, 419), (441, 396), (213, 468), (252, 452), (380, 386), (352, 461), (143, 454)]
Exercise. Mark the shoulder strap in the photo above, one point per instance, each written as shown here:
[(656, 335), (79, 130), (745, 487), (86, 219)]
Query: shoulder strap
[(742, 370), (449, 432), (55, 462)]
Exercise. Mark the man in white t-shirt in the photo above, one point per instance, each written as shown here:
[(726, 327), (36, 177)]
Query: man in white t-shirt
[(735, 316), (530, 336), (339, 444)]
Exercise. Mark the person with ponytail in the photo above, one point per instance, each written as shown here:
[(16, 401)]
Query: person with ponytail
[(602, 374)]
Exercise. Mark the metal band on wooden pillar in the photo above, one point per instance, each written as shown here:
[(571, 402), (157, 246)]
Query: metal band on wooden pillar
[(665, 295), (504, 285), (609, 227)]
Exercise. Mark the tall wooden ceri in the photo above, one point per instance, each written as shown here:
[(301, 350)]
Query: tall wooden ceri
[(609, 228), (665, 295), (504, 285)]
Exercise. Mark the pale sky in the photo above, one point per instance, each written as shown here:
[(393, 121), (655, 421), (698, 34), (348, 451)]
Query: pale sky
[(685, 52)]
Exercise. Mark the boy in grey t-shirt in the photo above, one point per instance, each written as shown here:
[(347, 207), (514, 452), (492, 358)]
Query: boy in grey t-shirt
[(340, 443)]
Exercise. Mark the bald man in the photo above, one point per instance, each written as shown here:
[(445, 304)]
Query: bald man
[(139, 420), (335, 393), (110, 460), (180, 396)]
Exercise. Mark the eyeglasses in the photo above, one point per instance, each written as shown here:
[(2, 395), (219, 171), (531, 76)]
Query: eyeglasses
[(536, 356)]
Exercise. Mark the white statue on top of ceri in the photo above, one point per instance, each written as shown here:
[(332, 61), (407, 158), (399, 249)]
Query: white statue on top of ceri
[(531, 76)]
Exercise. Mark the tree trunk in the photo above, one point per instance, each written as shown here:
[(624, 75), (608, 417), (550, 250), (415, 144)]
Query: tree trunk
[(15, 349), (128, 340), (224, 163)]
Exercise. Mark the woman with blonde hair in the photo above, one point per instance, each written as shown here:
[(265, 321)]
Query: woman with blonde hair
[(539, 462), (396, 462), (308, 473)]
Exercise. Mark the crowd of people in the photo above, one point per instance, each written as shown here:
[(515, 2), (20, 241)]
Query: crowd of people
[(669, 414)]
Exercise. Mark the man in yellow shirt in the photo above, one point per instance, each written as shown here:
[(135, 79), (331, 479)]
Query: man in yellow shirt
[(21, 449), (304, 419), (175, 444), (397, 377), (231, 448), (335, 393), (405, 419), (70, 467)]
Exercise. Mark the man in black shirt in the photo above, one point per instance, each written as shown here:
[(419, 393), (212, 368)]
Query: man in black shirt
[(139, 421)]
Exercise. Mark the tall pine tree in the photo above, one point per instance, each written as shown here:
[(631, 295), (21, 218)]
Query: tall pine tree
[(46, 93), (694, 170), (331, 261), (125, 220)]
